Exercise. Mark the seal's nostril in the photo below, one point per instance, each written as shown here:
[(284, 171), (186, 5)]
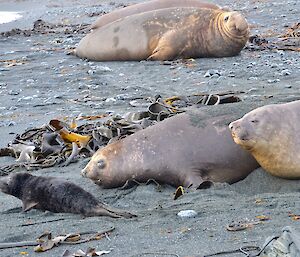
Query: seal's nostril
[(230, 126)]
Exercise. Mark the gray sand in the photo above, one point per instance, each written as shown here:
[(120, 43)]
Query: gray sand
[(50, 84)]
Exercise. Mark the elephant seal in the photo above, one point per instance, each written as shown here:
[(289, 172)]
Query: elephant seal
[(271, 134), (55, 195), (190, 149), (146, 7), (167, 34)]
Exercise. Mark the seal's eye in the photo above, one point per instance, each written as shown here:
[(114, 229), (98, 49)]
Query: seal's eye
[(254, 121), (101, 164), (226, 18)]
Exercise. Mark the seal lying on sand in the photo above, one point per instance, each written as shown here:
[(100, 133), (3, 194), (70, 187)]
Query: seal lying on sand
[(55, 195), (271, 134), (167, 34), (187, 149), (148, 6)]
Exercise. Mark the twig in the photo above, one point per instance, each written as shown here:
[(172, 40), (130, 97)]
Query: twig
[(34, 243), (18, 244), (158, 253), (41, 222)]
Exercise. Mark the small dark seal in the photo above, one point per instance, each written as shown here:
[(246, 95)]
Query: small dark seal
[(55, 195)]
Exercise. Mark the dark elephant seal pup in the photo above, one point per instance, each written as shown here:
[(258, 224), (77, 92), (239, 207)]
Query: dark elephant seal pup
[(55, 195), (271, 134), (146, 7), (188, 149), (167, 34)]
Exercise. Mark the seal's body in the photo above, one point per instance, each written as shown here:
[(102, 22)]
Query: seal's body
[(167, 34), (146, 7), (187, 149), (271, 134), (55, 195)]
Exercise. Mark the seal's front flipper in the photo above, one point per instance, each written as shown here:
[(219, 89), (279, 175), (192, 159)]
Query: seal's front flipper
[(196, 181), (168, 48), (28, 205)]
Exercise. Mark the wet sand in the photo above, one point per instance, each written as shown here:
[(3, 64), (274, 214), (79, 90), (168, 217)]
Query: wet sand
[(46, 83)]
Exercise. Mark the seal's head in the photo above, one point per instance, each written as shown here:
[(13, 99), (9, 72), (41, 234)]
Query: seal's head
[(266, 133), (13, 183), (254, 130), (234, 32), (235, 24), (106, 166)]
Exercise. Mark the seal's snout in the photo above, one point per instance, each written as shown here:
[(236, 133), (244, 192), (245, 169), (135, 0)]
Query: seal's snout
[(233, 125), (237, 22), (240, 22)]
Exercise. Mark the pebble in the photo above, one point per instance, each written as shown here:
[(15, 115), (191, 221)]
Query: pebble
[(187, 214), (110, 99), (212, 73), (270, 81), (252, 78), (13, 92), (285, 73), (253, 89), (103, 68)]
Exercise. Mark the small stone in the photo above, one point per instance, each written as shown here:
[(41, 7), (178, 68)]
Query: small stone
[(252, 78), (110, 99), (285, 73), (90, 72), (270, 81), (187, 214), (254, 89), (274, 65), (211, 73), (13, 92), (103, 68)]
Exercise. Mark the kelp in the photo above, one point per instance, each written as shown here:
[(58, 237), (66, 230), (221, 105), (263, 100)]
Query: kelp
[(289, 41)]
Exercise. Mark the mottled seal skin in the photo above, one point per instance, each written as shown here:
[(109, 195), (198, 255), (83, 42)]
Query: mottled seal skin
[(188, 149), (146, 7), (167, 34), (55, 195), (271, 134)]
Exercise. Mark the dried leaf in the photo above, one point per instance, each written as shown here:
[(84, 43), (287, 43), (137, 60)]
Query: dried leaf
[(71, 137), (92, 117), (294, 216), (259, 200), (179, 192), (263, 217)]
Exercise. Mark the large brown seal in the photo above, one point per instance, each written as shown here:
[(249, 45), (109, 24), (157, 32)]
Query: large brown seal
[(167, 34), (271, 134), (187, 149), (148, 6), (55, 195)]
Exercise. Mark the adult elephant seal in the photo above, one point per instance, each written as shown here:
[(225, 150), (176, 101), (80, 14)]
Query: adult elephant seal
[(146, 7), (271, 134), (56, 195), (190, 149), (167, 34)]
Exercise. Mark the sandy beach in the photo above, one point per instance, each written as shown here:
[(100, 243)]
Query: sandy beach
[(39, 82)]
